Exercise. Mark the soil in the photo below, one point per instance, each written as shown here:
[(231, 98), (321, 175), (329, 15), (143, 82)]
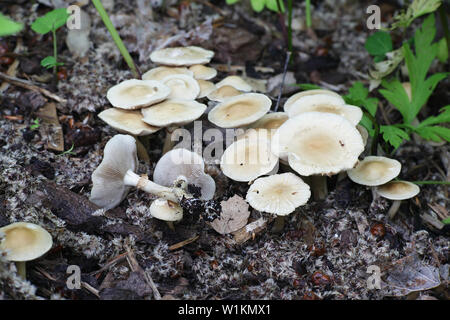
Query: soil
[(325, 248)]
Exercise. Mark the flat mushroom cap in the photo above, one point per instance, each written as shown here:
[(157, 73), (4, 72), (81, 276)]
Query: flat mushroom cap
[(236, 82), (398, 190), (182, 87), (202, 72), (280, 194), (160, 73), (182, 162), (248, 158), (318, 143), (375, 171), (166, 210), (182, 56), (25, 241), (240, 110), (173, 112), (206, 87), (135, 94), (271, 121), (293, 99), (223, 93), (127, 121), (108, 188)]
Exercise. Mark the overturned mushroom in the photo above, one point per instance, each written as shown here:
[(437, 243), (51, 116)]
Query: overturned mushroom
[(236, 82), (223, 93), (166, 210), (182, 56), (397, 190)]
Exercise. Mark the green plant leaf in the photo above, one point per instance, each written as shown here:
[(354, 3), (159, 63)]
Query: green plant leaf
[(393, 135), (397, 96), (231, 1), (443, 117), (8, 26), (379, 43), (257, 5), (273, 5), (434, 133), (50, 21), (307, 86), (442, 52), (358, 96), (446, 221), (50, 62), (416, 9)]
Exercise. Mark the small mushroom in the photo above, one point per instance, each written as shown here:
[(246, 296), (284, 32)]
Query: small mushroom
[(115, 175), (206, 87), (182, 56), (270, 121), (223, 93), (24, 242), (136, 94), (182, 87), (397, 190), (236, 82), (293, 99), (186, 165), (240, 110), (160, 73), (166, 210), (279, 194), (127, 121), (375, 171), (202, 72)]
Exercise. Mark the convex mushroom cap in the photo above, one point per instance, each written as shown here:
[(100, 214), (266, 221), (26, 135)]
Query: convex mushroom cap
[(201, 72), (25, 241), (182, 56), (160, 73), (279, 194), (236, 82), (173, 112), (136, 94), (375, 171), (189, 165), (293, 99), (398, 190), (318, 143), (128, 121), (240, 110), (182, 87), (223, 93), (166, 210), (206, 87), (270, 121)]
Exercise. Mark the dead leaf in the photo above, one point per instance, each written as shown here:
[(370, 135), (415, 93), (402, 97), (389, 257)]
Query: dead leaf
[(50, 127), (234, 215)]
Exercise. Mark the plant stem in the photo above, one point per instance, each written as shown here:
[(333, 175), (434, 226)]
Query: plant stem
[(288, 58), (431, 182), (283, 24), (374, 145), (308, 14), (278, 225), (55, 54), (117, 40), (290, 4), (319, 187)]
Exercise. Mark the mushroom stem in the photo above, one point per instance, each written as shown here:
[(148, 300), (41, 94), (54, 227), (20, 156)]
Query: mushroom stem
[(170, 225), (168, 142), (278, 224), (319, 187), (142, 150), (143, 183), (21, 269), (394, 208)]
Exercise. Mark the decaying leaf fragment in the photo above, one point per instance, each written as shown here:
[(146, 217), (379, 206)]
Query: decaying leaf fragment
[(234, 215)]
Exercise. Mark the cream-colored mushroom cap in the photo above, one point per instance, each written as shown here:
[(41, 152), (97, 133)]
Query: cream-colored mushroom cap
[(206, 87), (240, 110), (166, 210), (173, 112), (182, 87), (363, 132), (398, 190), (128, 121), (327, 104), (184, 163), (202, 72), (280, 194), (25, 241), (375, 171), (223, 93), (136, 94), (182, 56), (318, 143), (236, 82), (293, 99), (271, 121), (248, 158), (160, 73)]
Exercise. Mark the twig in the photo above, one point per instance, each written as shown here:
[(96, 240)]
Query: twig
[(91, 289), (183, 243), (250, 230), (112, 262), (28, 85), (288, 58)]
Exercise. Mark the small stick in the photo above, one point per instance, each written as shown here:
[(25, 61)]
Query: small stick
[(28, 85), (91, 289), (183, 243), (111, 263), (288, 58), (251, 230)]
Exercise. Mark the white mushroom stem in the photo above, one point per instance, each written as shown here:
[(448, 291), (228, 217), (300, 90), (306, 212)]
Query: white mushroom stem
[(168, 143), (21, 269), (394, 208), (319, 187), (278, 225), (144, 184)]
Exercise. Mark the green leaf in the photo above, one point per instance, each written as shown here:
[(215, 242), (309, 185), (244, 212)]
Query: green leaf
[(379, 43), (273, 5), (397, 96), (434, 133), (367, 123), (443, 117), (442, 52), (50, 21), (9, 27), (358, 96), (50, 62), (307, 86), (232, 1), (257, 5), (385, 67), (393, 135), (416, 9), (446, 221)]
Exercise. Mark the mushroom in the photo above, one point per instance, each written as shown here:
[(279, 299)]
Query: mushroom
[(240, 110), (188, 166), (375, 171), (202, 72), (206, 87), (364, 133), (325, 103), (172, 114), (182, 56), (166, 210), (160, 73), (293, 99), (248, 158), (270, 121), (136, 94), (318, 144), (24, 242), (397, 190), (182, 87), (115, 175), (236, 82), (223, 93)]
